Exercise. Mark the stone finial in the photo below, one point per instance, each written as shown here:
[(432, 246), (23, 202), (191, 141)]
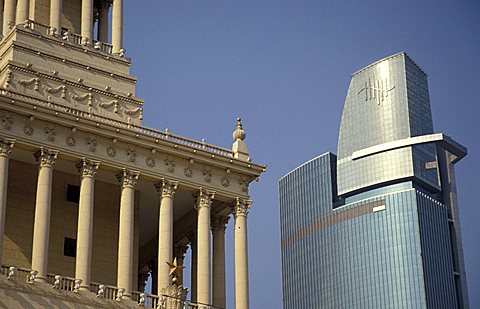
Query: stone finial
[(239, 133), (239, 147)]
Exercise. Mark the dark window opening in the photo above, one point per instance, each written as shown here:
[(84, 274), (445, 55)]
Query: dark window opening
[(70, 247), (73, 193)]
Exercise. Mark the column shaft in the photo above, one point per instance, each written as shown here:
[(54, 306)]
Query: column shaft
[(219, 290), (56, 15), (193, 271), (8, 15), (41, 227), (5, 147), (117, 26), (1, 15), (165, 233), (87, 20), (204, 273), (241, 255), (23, 7), (83, 261), (125, 238), (103, 22)]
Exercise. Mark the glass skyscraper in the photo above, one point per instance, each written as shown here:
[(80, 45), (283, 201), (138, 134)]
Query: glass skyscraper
[(376, 226)]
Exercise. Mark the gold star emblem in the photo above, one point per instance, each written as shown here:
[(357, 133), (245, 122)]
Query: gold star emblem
[(175, 270)]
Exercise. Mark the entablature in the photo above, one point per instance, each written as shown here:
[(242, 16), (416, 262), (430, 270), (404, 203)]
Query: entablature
[(77, 134)]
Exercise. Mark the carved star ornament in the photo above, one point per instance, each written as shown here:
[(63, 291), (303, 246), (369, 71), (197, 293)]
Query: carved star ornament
[(175, 270)]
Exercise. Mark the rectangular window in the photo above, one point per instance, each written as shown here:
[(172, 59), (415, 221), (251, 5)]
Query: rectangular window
[(70, 247), (73, 193)]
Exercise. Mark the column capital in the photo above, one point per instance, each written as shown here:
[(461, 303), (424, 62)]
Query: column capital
[(87, 168), (203, 198), (166, 188), (6, 146), (241, 207), (180, 251), (46, 157), (219, 222), (128, 178)]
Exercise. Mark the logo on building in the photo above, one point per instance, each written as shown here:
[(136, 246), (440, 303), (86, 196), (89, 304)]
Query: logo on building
[(376, 89)]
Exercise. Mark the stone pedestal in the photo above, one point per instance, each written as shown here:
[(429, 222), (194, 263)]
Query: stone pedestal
[(173, 297)]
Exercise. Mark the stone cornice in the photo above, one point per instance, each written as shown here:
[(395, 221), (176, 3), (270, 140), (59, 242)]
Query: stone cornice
[(16, 66), (128, 133), (58, 41), (36, 137), (20, 46)]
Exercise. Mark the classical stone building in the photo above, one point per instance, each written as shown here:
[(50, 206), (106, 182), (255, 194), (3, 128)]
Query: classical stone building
[(91, 202)]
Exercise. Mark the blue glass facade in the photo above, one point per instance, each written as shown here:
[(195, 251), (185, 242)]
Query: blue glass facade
[(389, 237)]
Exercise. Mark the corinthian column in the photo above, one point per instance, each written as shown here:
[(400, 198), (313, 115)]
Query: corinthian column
[(56, 15), (103, 22), (87, 21), (218, 228), (117, 26), (203, 204), (165, 232), (5, 149), (128, 180), (41, 227), (83, 261), (23, 7), (192, 237), (240, 212), (8, 16)]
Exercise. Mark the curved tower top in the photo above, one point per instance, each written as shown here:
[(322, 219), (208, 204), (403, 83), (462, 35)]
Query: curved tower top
[(387, 105)]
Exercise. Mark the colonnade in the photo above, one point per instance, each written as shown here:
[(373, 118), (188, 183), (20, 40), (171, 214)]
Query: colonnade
[(208, 285), (17, 11)]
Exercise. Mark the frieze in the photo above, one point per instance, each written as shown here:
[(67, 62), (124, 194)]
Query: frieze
[(92, 143), (28, 129), (149, 161), (244, 181), (188, 172), (170, 164), (6, 120), (50, 131), (131, 154), (92, 102), (112, 151), (207, 173), (70, 141), (27, 82)]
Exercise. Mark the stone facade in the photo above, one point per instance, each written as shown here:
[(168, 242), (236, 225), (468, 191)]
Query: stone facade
[(70, 118)]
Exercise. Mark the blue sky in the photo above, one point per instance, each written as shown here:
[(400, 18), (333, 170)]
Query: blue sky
[(284, 67)]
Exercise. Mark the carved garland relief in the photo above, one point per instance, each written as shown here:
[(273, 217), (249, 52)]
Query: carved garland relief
[(77, 97)]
